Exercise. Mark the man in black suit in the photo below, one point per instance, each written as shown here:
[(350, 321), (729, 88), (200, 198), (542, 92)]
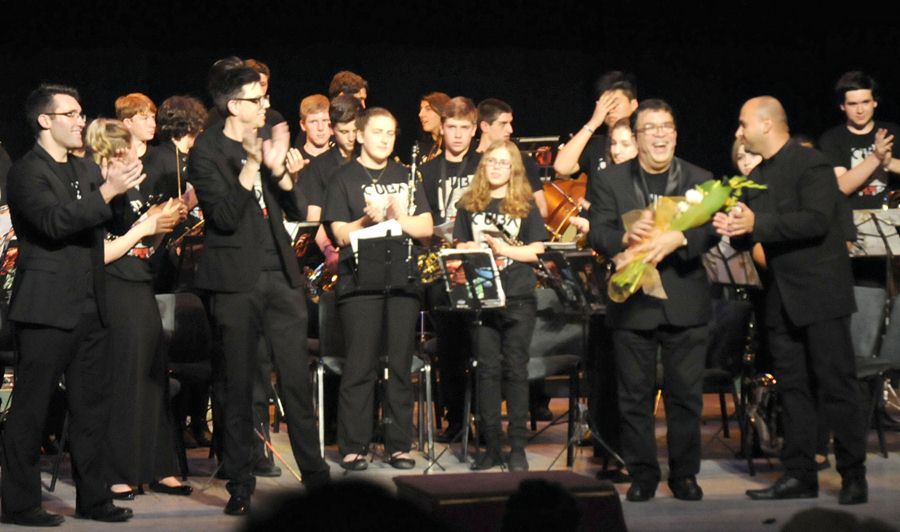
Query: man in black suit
[(643, 324), (798, 221), (249, 267), (59, 204)]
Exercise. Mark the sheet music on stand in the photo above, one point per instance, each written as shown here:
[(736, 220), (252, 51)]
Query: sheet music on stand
[(726, 265), (869, 242), (455, 264), (578, 278)]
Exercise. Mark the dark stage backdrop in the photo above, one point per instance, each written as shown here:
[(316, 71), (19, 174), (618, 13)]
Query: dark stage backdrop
[(540, 57)]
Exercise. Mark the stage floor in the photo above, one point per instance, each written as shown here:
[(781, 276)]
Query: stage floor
[(723, 478)]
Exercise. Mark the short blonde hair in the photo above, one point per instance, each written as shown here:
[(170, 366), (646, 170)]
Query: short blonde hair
[(312, 104)]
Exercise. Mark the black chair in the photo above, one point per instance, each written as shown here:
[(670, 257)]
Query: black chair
[(877, 351), (555, 356), (728, 332)]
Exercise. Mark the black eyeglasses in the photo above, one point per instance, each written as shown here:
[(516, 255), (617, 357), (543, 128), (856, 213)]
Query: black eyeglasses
[(69, 114), (665, 127), (259, 100)]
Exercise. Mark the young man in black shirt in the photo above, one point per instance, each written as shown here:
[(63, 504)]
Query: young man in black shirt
[(315, 127), (445, 179), (642, 325), (861, 149), (495, 118), (138, 112), (808, 303), (250, 270), (585, 151)]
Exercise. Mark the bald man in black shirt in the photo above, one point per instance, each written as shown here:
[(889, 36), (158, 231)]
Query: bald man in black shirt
[(809, 300)]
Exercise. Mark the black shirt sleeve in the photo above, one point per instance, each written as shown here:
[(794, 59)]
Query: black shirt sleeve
[(337, 207), (462, 229), (533, 228), (533, 173)]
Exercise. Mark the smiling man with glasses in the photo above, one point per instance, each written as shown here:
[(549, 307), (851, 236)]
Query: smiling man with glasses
[(59, 206), (642, 325), (250, 269)]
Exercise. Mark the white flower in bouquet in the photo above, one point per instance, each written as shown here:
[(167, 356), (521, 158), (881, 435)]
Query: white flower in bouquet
[(693, 196)]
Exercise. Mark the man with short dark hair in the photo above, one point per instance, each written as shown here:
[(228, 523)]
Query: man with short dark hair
[(587, 150), (642, 326), (861, 149), (495, 118), (351, 84), (59, 205), (808, 301), (250, 270)]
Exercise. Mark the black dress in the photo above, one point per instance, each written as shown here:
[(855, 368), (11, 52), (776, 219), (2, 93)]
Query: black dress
[(140, 444)]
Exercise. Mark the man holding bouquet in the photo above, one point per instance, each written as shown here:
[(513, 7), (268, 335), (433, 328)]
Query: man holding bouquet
[(643, 325), (798, 221)]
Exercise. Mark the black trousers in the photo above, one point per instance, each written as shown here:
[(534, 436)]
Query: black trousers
[(375, 327), (501, 344), (276, 310), (683, 358), (45, 353), (810, 361)]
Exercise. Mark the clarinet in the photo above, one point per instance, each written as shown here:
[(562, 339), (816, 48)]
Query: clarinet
[(411, 189)]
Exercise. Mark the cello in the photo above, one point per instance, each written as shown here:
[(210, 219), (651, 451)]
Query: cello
[(564, 197)]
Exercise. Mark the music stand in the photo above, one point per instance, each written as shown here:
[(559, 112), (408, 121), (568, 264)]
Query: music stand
[(573, 276), (473, 284)]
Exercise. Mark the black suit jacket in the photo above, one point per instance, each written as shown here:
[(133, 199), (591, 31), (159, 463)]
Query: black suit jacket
[(60, 240), (613, 193), (798, 222), (232, 255)]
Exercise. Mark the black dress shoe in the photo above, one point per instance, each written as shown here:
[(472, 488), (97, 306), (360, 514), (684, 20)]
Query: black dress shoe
[(489, 460), (398, 461), (517, 459), (854, 491), (238, 505), (265, 469), (183, 490), (686, 488), (106, 512), (785, 488), (358, 464), (640, 492), (122, 495), (36, 516)]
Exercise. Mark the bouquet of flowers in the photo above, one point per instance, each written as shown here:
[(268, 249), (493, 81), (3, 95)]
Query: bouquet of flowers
[(678, 213)]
